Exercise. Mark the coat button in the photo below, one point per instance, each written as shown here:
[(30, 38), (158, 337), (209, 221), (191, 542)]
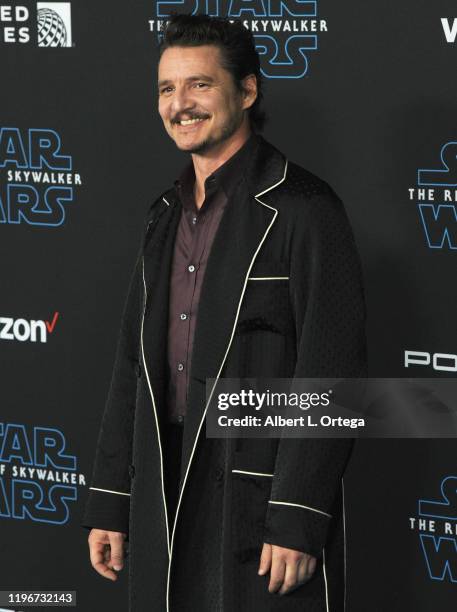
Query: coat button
[(219, 474)]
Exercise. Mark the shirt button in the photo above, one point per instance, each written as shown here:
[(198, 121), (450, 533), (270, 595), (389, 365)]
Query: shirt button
[(180, 367), (183, 316), (191, 268), (180, 418), (194, 220)]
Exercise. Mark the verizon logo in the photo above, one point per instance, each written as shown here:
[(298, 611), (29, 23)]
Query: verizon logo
[(449, 29), (27, 331)]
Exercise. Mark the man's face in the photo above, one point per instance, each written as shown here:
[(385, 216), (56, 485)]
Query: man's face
[(199, 103)]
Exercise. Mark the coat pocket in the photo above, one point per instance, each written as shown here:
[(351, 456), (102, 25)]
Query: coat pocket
[(250, 495), (266, 270), (266, 303)]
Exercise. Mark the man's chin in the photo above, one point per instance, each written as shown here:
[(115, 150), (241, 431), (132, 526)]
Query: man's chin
[(200, 146)]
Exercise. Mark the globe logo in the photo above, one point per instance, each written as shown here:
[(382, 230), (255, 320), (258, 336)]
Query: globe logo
[(51, 29)]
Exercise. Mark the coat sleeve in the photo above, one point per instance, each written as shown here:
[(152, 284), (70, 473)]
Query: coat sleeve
[(327, 290), (108, 501)]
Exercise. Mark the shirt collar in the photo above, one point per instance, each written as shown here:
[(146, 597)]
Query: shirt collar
[(226, 176)]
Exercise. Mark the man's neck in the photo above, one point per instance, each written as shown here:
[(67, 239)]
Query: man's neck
[(205, 165)]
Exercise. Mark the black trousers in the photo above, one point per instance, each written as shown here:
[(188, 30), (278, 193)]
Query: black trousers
[(172, 466)]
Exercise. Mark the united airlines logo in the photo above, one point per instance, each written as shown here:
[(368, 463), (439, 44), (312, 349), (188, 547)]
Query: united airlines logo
[(436, 199), (286, 32), (436, 526), (52, 27), (54, 24), (38, 476), (37, 181)]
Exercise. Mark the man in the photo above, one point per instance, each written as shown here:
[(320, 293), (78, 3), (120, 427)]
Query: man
[(224, 525)]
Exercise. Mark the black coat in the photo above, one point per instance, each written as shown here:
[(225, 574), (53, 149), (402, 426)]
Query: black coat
[(235, 494)]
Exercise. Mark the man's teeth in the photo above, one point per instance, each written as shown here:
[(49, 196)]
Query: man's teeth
[(189, 121)]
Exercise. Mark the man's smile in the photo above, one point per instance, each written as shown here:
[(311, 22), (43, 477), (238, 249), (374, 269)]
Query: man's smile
[(189, 125)]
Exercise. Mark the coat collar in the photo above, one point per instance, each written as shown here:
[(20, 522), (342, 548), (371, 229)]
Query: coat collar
[(243, 228), (225, 177), (264, 170)]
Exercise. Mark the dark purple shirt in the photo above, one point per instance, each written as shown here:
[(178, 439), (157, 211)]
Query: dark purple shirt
[(195, 235)]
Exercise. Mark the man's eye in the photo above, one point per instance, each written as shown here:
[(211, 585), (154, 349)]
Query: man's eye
[(166, 89), (200, 85)]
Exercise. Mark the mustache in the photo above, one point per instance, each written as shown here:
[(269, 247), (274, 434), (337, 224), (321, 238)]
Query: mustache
[(189, 115)]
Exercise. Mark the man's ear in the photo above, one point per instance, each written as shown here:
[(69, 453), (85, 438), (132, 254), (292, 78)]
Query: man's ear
[(249, 84)]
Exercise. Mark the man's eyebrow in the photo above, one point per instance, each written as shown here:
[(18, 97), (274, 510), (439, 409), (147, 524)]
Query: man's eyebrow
[(194, 77)]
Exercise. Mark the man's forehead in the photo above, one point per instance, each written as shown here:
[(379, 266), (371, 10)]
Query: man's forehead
[(201, 59)]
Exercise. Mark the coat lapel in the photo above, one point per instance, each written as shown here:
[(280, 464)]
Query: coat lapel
[(244, 226), (157, 258)]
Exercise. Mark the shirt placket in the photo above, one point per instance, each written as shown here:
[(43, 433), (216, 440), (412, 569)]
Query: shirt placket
[(198, 225)]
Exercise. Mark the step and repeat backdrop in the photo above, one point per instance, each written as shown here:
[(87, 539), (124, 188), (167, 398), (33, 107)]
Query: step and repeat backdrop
[(362, 94)]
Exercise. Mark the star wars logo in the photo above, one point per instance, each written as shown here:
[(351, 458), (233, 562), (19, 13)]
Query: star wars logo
[(286, 32), (37, 181), (436, 199), (37, 476), (436, 525)]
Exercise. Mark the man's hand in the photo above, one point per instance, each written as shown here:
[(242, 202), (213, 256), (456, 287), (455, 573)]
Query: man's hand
[(106, 552), (289, 568)]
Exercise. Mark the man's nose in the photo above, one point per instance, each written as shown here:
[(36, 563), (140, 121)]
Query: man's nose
[(181, 101)]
